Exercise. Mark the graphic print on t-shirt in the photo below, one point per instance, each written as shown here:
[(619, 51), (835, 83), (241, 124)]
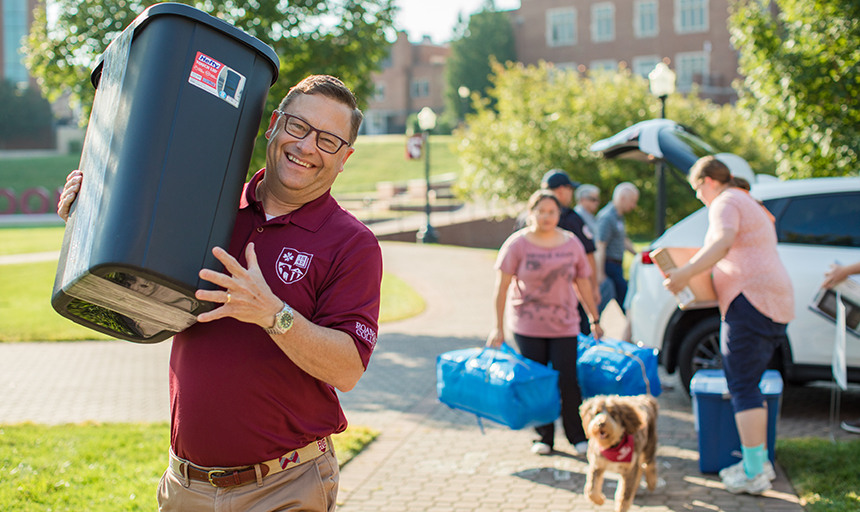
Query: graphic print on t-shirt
[(534, 305), (292, 265)]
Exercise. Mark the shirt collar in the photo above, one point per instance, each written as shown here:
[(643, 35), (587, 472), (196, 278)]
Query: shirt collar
[(310, 216)]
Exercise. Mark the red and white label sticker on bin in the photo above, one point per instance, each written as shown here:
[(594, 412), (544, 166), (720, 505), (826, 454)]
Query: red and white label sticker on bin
[(217, 79)]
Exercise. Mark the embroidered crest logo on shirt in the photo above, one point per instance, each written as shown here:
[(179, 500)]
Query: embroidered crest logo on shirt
[(291, 457), (292, 265), (322, 445)]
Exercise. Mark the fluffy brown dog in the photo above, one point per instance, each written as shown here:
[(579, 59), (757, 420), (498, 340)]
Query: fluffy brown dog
[(622, 437)]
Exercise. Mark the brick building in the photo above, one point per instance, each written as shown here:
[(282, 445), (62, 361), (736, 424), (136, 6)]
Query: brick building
[(690, 35), (413, 77)]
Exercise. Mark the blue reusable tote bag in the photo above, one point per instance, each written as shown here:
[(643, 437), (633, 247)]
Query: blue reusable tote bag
[(613, 367), (499, 385)]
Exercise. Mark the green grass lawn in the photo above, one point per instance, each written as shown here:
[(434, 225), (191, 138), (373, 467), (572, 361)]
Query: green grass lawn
[(376, 158), (26, 313), (25, 293), (20, 174), (24, 240), (382, 158), (25, 306), (99, 467), (398, 300), (826, 476)]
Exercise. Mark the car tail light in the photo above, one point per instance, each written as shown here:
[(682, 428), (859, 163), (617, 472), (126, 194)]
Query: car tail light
[(646, 258)]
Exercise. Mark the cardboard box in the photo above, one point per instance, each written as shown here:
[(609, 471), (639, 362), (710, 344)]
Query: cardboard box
[(699, 293), (719, 442)]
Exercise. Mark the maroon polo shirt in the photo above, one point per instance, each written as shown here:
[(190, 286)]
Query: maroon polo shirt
[(235, 397)]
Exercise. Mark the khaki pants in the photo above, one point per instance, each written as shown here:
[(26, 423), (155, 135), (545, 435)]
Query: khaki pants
[(311, 486)]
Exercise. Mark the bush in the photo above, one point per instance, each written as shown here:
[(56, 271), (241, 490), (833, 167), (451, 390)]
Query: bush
[(544, 118)]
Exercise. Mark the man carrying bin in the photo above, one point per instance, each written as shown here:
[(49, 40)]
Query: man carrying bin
[(252, 384)]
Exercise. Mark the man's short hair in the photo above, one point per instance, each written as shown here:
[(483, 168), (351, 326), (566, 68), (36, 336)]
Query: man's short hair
[(330, 87), (586, 190), (555, 178)]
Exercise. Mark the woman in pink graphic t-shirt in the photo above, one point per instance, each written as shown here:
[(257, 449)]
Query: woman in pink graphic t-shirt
[(756, 302), (542, 275)]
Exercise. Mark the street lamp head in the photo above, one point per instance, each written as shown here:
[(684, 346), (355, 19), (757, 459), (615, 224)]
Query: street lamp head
[(463, 91), (662, 80), (427, 119)]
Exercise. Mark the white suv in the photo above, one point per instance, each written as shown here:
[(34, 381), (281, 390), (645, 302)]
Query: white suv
[(817, 223)]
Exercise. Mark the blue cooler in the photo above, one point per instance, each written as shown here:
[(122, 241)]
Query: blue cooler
[(719, 442)]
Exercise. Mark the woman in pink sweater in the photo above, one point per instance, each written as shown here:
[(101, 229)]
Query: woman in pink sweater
[(756, 302), (542, 274)]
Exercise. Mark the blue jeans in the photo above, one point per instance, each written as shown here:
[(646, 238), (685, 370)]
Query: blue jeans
[(615, 273)]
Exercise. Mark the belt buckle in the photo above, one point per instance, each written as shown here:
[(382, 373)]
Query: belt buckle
[(212, 474)]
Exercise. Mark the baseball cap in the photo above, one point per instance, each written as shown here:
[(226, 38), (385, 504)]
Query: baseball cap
[(555, 178)]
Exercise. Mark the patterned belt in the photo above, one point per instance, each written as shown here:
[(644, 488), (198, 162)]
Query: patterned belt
[(230, 477)]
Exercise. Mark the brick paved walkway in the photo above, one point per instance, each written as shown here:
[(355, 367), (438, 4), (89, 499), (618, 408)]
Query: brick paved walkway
[(428, 457)]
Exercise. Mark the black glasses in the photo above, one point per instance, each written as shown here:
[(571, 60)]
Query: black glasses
[(299, 128)]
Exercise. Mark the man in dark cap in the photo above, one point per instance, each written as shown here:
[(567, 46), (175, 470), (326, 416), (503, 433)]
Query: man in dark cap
[(560, 184)]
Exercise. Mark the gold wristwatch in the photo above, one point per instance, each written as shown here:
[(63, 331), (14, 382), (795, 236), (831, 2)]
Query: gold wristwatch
[(283, 321)]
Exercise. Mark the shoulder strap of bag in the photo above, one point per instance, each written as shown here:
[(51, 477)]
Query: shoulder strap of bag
[(631, 356)]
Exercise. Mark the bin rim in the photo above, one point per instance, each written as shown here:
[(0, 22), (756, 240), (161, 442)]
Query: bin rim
[(202, 17), (712, 382)]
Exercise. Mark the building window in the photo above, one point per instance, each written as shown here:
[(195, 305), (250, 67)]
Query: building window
[(598, 66), (375, 123), (603, 22), (691, 16), (565, 66), (420, 89), (645, 64), (645, 19), (561, 27), (691, 65), (387, 62), (14, 30), (379, 92)]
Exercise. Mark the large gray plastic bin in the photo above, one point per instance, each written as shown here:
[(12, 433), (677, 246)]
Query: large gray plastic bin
[(180, 95)]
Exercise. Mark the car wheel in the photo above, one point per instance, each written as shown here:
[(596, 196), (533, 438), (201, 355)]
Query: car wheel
[(700, 349)]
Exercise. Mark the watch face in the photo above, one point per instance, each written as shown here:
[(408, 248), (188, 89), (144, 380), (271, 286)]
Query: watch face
[(284, 319)]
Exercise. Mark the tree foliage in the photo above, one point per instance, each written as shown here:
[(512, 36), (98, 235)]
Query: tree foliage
[(344, 39), (485, 35), (546, 118), (25, 113), (801, 60)]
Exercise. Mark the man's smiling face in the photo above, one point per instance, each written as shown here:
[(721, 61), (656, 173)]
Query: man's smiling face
[(302, 170)]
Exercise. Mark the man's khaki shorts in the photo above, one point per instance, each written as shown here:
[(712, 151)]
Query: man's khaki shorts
[(309, 486)]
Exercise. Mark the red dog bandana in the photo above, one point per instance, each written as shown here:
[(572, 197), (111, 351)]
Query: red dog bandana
[(622, 452)]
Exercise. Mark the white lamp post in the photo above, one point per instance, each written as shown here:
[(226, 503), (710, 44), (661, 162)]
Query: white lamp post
[(427, 121), (463, 92), (662, 81)]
